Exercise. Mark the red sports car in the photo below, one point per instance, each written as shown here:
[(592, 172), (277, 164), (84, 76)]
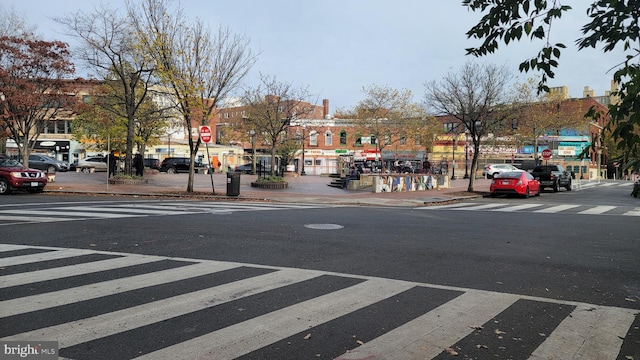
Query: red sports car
[(515, 183)]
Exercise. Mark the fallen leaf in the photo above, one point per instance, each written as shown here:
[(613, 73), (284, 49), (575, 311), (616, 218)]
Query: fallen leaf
[(475, 327), (482, 346), (307, 337), (451, 352), (498, 332), (360, 342)]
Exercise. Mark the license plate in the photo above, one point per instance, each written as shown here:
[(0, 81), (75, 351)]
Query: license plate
[(35, 183), (505, 183)]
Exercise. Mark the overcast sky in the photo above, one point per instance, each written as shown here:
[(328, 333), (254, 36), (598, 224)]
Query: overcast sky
[(336, 47)]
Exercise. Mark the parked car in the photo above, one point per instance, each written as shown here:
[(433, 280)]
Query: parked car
[(517, 182), (98, 163), (15, 176), (248, 168), (174, 165), (50, 165), (152, 163), (492, 170)]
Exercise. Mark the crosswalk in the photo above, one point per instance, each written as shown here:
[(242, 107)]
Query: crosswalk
[(114, 210), (539, 208), (106, 305)]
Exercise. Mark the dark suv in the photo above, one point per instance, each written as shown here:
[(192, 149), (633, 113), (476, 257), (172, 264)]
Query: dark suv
[(174, 165), (152, 163)]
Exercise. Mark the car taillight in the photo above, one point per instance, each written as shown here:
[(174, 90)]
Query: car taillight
[(519, 182)]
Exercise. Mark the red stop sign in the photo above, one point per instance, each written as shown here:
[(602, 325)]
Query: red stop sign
[(205, 134), (546, 154)]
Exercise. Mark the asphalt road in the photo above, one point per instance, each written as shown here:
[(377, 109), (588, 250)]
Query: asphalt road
[(555, 276)]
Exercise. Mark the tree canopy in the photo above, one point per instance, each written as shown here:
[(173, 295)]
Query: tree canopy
[(32, 87), (613, 24)]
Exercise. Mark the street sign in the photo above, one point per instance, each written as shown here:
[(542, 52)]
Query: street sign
[(546, 154), (205, 134)]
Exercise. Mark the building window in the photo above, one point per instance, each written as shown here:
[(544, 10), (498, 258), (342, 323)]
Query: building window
[(328, 138), (451, 127), (313, 138), (343, 137), (61, 127)]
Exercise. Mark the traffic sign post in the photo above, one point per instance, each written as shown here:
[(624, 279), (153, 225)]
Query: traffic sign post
[(205, 134), (206, 138)]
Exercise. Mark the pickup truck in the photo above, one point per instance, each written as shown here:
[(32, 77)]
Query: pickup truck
[(553, 176)]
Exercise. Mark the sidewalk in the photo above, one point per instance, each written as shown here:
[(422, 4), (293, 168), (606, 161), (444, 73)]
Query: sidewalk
[(301, 189)]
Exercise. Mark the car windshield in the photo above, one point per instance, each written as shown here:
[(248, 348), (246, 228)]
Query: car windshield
[(10, 163)]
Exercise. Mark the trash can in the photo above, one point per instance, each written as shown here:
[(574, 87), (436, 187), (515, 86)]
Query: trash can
[(233, 183)]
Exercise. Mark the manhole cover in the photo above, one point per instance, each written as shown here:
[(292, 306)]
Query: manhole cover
[(324, 226)]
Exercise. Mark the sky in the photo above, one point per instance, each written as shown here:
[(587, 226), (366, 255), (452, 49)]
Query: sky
[(335, 48)]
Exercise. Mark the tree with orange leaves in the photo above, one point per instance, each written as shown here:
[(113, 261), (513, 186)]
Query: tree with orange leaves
[(33, 89)]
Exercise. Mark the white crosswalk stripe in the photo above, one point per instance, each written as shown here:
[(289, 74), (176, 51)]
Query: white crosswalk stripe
[(588, 332), (538, 208), (126, 210)]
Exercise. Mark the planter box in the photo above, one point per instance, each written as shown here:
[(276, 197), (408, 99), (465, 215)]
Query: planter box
[(268, 185), (128, 181)]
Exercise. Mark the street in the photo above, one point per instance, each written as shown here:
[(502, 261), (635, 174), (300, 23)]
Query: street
[(504, 278)]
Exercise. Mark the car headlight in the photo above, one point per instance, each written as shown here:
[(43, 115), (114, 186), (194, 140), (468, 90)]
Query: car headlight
[(16, 174)]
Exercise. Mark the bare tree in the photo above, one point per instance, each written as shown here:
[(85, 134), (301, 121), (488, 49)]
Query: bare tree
[(542, 114), (387, 115), (13, 24), (199, 67), (477, 97), (109, 47), (271, 107)]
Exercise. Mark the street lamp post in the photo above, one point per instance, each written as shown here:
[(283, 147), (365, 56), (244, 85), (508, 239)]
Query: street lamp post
[(253, 151), (466, 159), (302, 173), (453, 157)]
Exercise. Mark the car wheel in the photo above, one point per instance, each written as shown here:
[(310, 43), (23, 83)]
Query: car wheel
[(568, 187), (85, 170), (539, 191), (51, 169), (494, 175), (4, 187), (555, 187), (526, 193), (171, 170)]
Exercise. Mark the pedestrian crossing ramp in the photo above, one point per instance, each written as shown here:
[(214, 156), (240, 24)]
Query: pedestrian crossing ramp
[(104, 305), (117, 210)]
